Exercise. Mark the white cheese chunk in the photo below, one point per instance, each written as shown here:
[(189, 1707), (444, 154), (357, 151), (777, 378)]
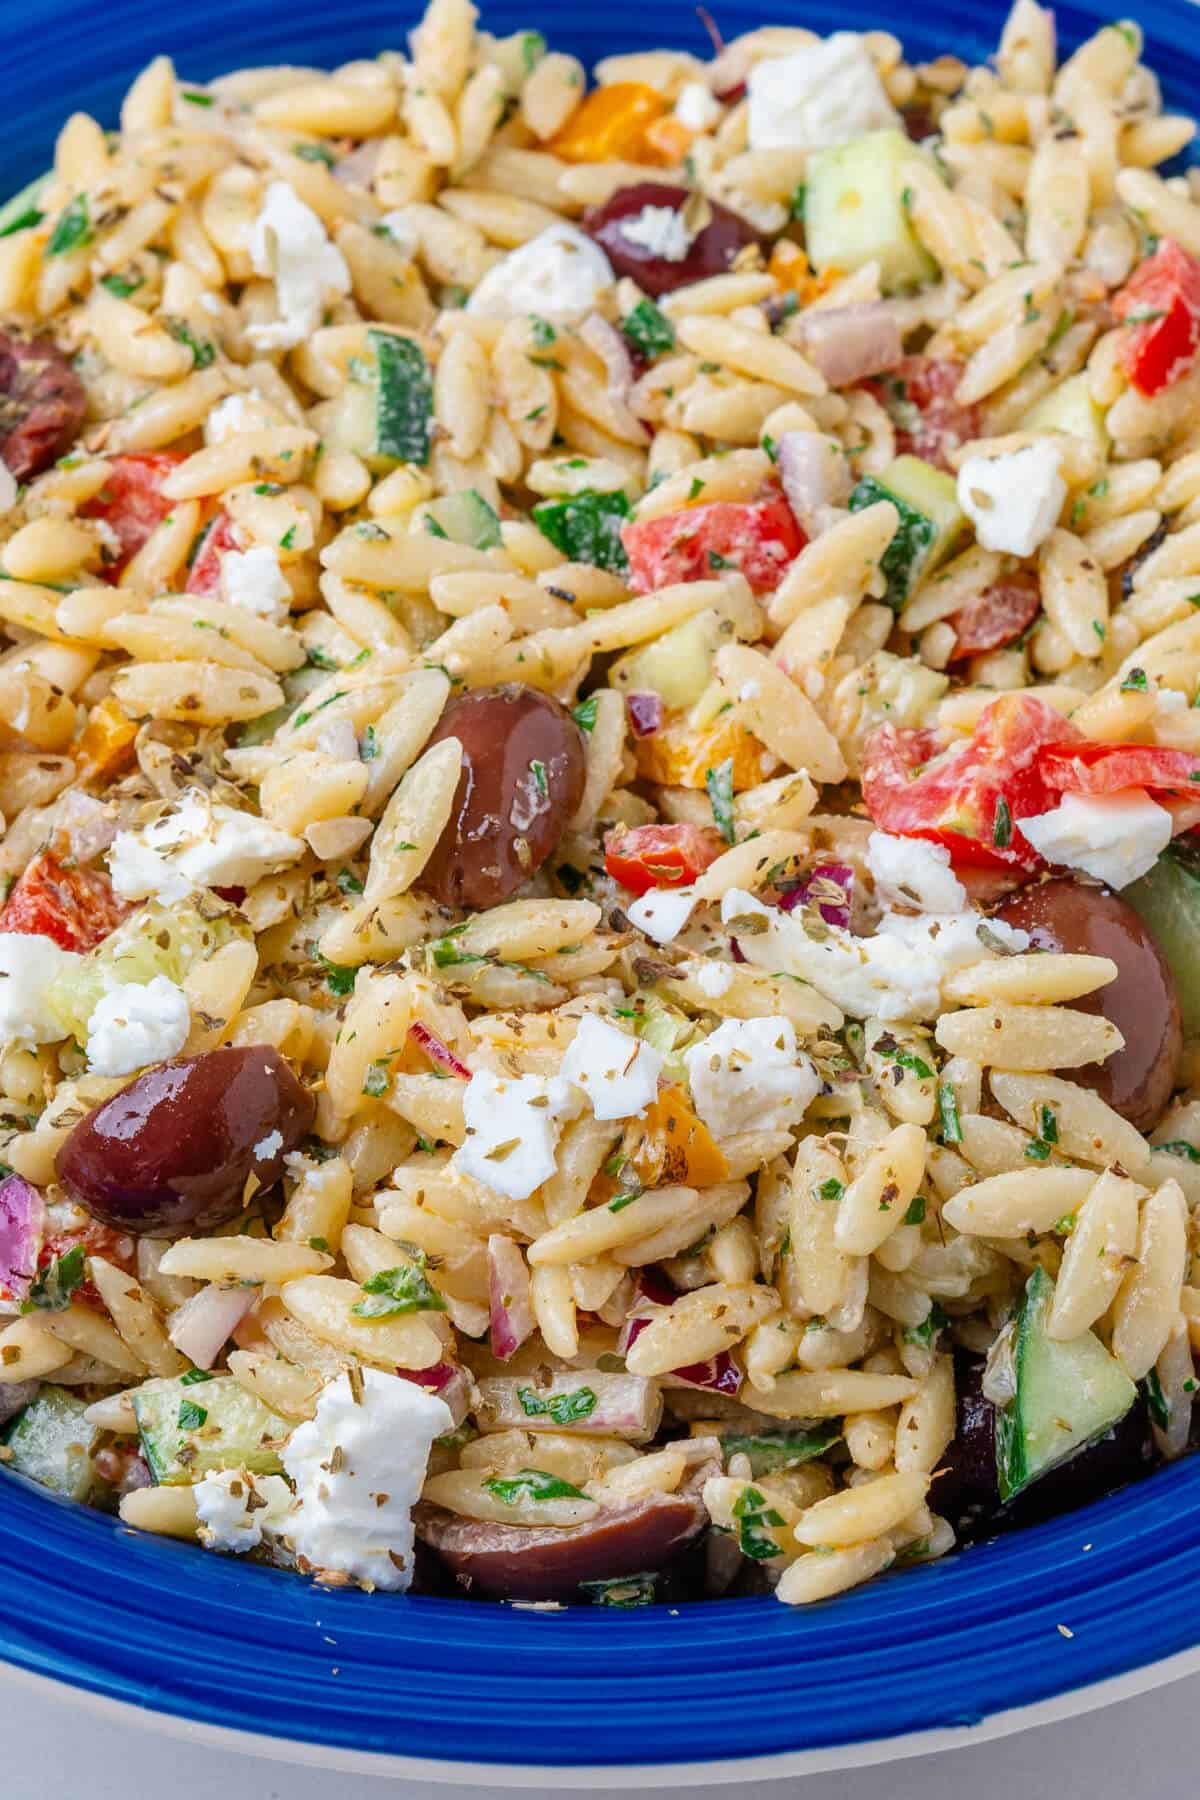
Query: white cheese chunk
[(235, 1510), (358, 1468), (660, 231), (202, 843), (556, 275), (618, 1073), (823, 94), (513, 1128), (697, 107), (28, 964), (253, 580), (748, 1076), (1013, 500), (237, 413), (289, 242), (713, 978), (137, 1023), (910, 872), (662, 913), (1116, 837)]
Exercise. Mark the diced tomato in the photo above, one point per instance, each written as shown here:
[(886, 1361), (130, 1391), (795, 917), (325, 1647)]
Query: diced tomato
[(918, 397), (653, 856), (204, 576), (997, 616), (971, 797), (759, 538), (76, 907), (131, 502), (97, 1240), (1160, 308), (1105, 768)]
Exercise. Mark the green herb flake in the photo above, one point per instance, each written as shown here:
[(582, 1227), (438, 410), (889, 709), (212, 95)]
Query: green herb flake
[(917, 1207), (831, 1189), (531, 1484), (122, 285), (1135, 682), (194, 98), (563, 1409), (368, 750), (72, 229), (1002, 828), (52, 1287), (948, 1115), (648, 329), (203, 353), (540, 780), (193, 1376), (1156, 1401), (584, 714), (926, 1333), (753, 1515), (622, 1201), (1179, 1147), (314, 153), (393, 1292), (339, 978), (542, 332), (191, 1416), (378, 1078), (348, 882), (719, 783)]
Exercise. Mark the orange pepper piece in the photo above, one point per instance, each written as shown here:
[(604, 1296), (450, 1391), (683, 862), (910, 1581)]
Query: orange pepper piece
[(789, 266), (673, 1146), (105, 745), (610, 124), (667, 142), (677, 755)]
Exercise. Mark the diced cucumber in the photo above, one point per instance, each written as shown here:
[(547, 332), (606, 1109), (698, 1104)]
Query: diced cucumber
[(586, 527), (1066, 1394), (189, 1429), (897, 690), (931, 521), (1168, 899), (51, 1443), (155, 940), (855, 212), (770, 1452), (385, 411), (1070, 408), (464, 518), (677, 665), (670, 1032), (24, 210)]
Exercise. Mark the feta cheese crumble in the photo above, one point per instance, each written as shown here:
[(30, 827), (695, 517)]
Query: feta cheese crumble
[(909, 872), (234, 1509), (513, 1127), (253, 580), (618, 1073), (748, 1076), (662, 913), (237, 413), (556, 275), (289, 243), (137, 1023), (28, 964), (1116, 837), (821, 95), (358, 1468), (660, 230), (202, 843), (697, 107), (1013, 500), (714, 979)]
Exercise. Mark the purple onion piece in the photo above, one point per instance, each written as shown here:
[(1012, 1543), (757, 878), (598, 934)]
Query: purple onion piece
[(719, 1375), (816, 889), (15, 1396), (645, 713), (448, 1381), (813, 476), (22, 1220), (850, 343)]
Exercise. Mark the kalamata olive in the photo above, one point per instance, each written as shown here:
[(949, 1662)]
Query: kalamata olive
[(522, 778), (41, 403), (519, 1562), (965, 1489), (176, 1149), (1143, 1002), (715, 236)]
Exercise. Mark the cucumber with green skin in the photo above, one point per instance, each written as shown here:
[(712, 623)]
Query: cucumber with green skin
[(1168, 901), (51, 1443), (931, 521), (190, 1428), (856, 210), (384, 414), (1071, 409), (1067, 1394), (464, 518), (23, 210)]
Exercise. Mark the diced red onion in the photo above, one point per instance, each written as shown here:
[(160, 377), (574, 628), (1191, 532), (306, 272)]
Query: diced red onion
[(645, 713), (813, 476), (357, 169), (85, 824), (848, 343), (736, 951), (719, 1374), (612, 347), (448, 1381), (15, 1396), (510, 1308), (204, 1324), (22, 1219), (811, 891), (437, 1050)]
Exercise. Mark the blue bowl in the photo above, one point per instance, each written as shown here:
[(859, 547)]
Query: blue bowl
[(1053, 1620)]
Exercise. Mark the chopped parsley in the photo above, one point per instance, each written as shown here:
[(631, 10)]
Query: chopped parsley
[(193, 1376), (531, 1484), (753, 1515), (917, 1207), (378, 1078), (393, 1292), (52, 1287), (584, 714), (191, 1416), (564, 1409), (317, 153), (719, 782), (648, 329), (1002, 825), (1179, 1147), (1135, 682), (948, 1115), (73, 228), (203, 353), (542, 332), (831, 1189), (122, 285), (339, 977)]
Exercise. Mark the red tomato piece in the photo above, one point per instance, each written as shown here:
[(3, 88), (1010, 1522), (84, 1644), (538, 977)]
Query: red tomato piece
[(74, 906), (204, 576), (96, 1240), (759, 538), (131, 502), (1160, 308), (1105, 768), (918, 397), (654, 856), (972, 796), (998, 616)]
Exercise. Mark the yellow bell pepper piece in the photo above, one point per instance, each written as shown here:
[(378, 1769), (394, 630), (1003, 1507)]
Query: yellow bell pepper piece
[(667, 142), (673, 1146), (678, 755), (610, 125), (105, 745)]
